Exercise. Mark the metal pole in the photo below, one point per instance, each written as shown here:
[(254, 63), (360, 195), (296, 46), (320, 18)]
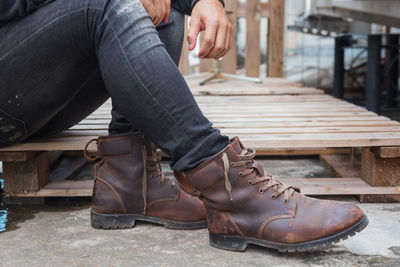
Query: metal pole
[(374, 73), (392, 84), (338, 75)]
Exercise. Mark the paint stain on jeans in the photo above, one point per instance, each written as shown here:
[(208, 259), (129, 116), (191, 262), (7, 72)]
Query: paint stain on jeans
[(129, 6)]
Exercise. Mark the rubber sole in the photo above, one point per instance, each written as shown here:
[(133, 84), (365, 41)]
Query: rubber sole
[(127, 221), (240, 243)]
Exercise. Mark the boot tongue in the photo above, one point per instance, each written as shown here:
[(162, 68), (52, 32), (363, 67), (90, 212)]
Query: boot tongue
[(237, 145)]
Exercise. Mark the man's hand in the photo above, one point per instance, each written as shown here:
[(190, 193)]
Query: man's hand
[(209, 15), (158, 10)]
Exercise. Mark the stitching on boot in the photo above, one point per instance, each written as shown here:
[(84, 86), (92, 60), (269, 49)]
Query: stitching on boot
[(114, 191)]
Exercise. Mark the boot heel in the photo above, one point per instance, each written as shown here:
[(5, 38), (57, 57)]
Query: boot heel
[(228, 242), (111, 221)]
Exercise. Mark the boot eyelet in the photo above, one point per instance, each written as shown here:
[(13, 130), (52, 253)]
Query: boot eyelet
[(240, 173), (261, 191), (161, 182), (249, 181), (232, 163), (285, 201), (273, 197)]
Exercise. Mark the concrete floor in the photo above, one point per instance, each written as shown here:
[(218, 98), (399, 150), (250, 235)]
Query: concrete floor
[(60, 234)]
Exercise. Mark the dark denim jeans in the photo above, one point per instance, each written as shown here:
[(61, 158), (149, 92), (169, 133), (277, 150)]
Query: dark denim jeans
[(62, 62)]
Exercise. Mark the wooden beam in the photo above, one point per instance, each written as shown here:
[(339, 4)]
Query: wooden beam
[(378, 171), (28, 176), (252, 59), (342, 165), (16, 156), (184, 60), (229, 62), (387, 152), (264, 10), (275, 39), (310, 186)]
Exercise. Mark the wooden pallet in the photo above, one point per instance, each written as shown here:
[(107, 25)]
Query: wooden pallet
[(284, 119)]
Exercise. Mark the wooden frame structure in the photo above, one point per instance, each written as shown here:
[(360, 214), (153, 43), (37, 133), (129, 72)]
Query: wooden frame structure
[(276, 117), (252, 10)]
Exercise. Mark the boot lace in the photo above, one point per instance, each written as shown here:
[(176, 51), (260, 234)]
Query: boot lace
[(268, 180), (155, 169)]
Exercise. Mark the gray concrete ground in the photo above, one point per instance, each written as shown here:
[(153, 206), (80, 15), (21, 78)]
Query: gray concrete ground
[(59, 235)]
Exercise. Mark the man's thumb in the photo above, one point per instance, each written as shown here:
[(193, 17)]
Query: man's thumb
[(194, 29)]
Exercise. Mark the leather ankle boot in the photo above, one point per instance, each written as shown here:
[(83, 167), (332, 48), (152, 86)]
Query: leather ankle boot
[(129, 185), (244, 206)]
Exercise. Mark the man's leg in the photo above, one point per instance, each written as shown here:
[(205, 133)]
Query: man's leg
[(49, 77), (171, 35), (148, 89), (140, 76)]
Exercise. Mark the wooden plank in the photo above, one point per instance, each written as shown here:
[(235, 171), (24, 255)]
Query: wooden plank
[(379, 171), (252, 59), (229, 63), (259, 131), (342, 165), (66, 188), (254, 141), (264, 10), (275, 39), (16, 156), (253, 116), (254, 91), (310, 186), (256, 125), (294, 151), (184, 60), (27, 176), (387, 152), (302, 151)]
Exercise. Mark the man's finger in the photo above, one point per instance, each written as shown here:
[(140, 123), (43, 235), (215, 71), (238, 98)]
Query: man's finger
[(159, 14), (228, 41), (194, 29), (168, 10), (220, 40), (209, 39)]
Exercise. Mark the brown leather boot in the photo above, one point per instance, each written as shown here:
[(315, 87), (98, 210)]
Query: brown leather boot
[(129, 186), (244, 206)]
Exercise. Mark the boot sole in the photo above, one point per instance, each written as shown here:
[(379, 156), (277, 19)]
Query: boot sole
[(240, 243), (127, 221)]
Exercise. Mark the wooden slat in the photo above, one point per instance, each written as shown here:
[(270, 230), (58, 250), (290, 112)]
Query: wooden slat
[(264, 122), (254, 141), (99, 125), (261, 131), (264, 10), (275, 38), (387, 152), (229, 63), (342, 165), (184, 60), (310, 186), (252, 59)]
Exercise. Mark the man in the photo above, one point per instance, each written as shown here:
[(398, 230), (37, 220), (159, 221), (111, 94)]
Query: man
[(60, 60)]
